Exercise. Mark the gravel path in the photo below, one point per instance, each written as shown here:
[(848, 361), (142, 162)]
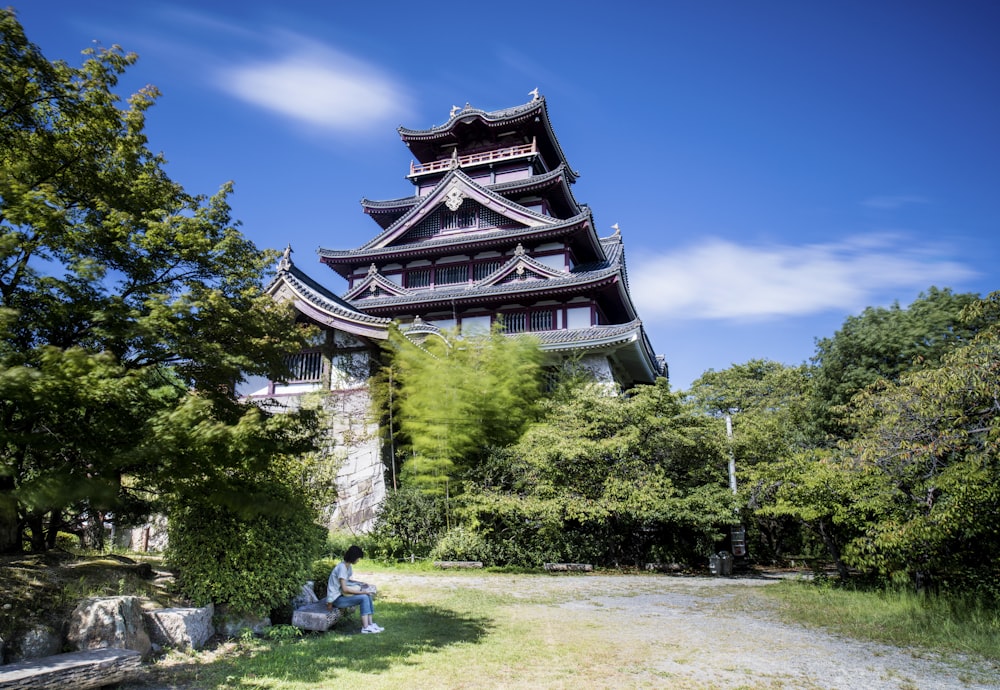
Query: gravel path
[(718, 632)]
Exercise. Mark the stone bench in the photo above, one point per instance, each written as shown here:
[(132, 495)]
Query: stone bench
[(310, 613), (568, 567), (445, 565), (315, 617), (93, 668)]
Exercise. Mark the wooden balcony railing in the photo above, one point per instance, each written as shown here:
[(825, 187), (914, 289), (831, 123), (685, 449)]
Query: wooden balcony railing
[(474, 159)]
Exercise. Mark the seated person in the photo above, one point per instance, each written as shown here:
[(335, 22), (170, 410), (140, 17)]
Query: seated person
[(343, 592)]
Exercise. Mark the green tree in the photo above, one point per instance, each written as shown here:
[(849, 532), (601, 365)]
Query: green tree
[(882, 344), (929, 452), (768, 406), (455, 396), (127, 305), (606, 479)]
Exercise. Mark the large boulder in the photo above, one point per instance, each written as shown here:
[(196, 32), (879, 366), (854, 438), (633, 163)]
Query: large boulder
[(115, 622), (181, 628), (35, 640)]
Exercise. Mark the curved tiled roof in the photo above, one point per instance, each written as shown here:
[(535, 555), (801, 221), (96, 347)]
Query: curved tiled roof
[(321, 299), (560, 176), (402, 202), (465, 291), (435, 195), (505, 117), (459, 242)]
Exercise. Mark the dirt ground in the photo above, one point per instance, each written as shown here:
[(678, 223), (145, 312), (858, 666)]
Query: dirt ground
[(720, 632), (705, 632)]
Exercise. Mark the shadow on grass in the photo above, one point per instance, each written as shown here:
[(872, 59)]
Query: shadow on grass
[(321, 658)]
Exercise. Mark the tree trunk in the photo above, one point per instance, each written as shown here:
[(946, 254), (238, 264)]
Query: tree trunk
[(36, 525), (833, 549), (10, 525), (55, 522)]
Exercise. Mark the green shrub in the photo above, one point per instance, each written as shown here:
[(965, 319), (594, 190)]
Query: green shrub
[(320, 574), (459, 544), (338, 542), (251, 561), (409, 522)]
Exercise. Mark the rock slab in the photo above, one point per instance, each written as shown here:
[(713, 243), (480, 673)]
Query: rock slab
[(181, 628), (109, 622), (315, 617), (93, 668)]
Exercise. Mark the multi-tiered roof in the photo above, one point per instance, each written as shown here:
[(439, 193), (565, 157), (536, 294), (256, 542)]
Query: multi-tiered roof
[(491, 232)]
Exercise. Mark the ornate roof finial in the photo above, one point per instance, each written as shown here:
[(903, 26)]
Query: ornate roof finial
[(454, 109), (372, 270), (534, 94), (519, 251), (454, 198), (285, 263), (454, 163), (617, 230)]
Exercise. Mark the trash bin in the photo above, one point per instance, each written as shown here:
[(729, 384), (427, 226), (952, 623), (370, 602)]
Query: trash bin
[(713, 564), (725, 563)]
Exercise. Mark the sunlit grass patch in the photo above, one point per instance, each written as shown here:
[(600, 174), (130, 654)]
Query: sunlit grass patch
[(897, 617)]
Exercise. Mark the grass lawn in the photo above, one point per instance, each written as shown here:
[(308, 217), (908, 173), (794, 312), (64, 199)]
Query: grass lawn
[(452, 637), (495, 630)]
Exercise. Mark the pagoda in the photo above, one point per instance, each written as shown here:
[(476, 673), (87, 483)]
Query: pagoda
[(491, 233)]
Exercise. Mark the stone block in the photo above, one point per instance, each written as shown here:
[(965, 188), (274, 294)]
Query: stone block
[(37, 640), (181, 628), (315, 617), (115, 622), (94, 668)]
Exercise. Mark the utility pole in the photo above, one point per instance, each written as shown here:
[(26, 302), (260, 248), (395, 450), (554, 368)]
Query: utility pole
[(738, 532), (732, 455)]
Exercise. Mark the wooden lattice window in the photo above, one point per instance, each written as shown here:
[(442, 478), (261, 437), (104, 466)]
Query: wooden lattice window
[(445, 275), (514, 323), (419, 278), (427, 228), (305, 367), (481, 270), (461, 219), (541, 320), (488, 218)]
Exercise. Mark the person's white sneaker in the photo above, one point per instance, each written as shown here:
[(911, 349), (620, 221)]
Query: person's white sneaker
[(370, 630), (378, 628)]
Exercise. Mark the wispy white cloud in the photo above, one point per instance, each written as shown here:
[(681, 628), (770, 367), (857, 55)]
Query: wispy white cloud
[(316, 85), (722, 280), (891, 202)]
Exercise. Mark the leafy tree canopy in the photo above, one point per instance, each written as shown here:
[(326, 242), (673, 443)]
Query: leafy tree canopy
[(605, 478), (882, 344), (455, 396), (929, 453), (129, 308)]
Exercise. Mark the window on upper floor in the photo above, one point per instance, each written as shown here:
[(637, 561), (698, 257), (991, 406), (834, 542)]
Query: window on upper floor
[(304, 367), (484, 268), (419, 278), (445, 275)]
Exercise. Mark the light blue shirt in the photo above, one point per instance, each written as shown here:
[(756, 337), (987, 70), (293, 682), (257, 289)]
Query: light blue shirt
[(342, 570)]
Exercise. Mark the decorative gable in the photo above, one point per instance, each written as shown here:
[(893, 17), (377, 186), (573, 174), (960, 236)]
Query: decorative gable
[(521, 267), (458, 205), (467, 216), (375, 285)]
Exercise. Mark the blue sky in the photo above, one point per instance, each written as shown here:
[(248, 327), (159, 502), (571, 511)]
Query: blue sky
[(774, 166)]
